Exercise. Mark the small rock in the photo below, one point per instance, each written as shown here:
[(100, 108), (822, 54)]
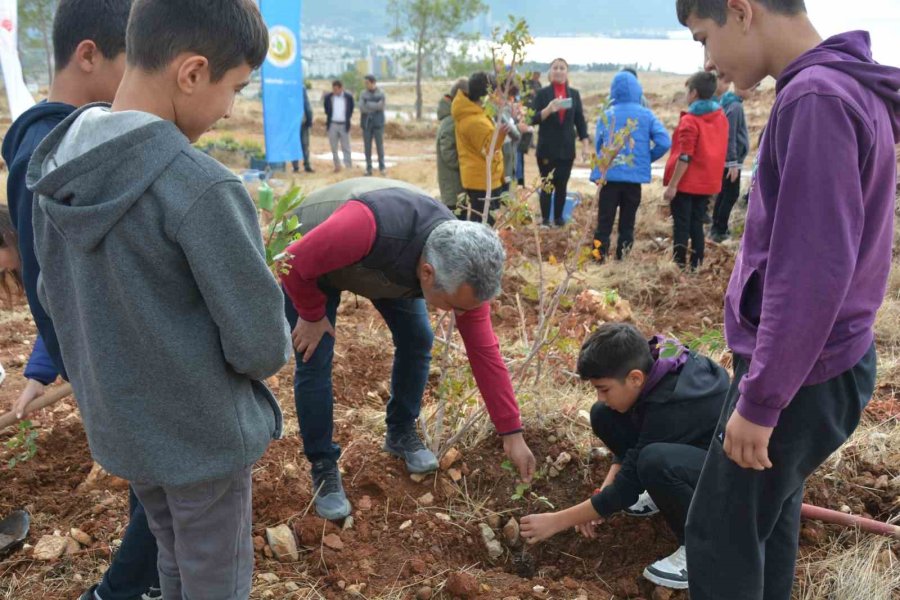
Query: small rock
[(418, 477), (284, 545), (291, 471), (494, 548), (342, 584), (418, 566), (417, 535), (627, 587), (424, 593), (268, 594), (72, 547), (538, 589), (356, 589), (553, 472), (552, 439), (364, 503), (426, 499), (258, 543), (50, 547), (405, 525), (455, 474), (599, 454), (494, 520), (333, 541), (349, 522), (443, 517), (661, 593), (511, 532), (882, 482), (268, 578), (562, 460), (462, 585), (584, 416), (846, 509), (80, 536), (267, 552), (811, 535), (450, 458), (290, 586)]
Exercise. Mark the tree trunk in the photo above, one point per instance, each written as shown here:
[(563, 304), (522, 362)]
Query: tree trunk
[(420, 60), (48, 52)]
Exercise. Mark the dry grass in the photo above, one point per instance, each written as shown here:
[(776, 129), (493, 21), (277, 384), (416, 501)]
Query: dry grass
[(867, 570)]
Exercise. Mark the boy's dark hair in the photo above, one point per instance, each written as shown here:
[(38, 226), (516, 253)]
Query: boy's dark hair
[(228, 33), (370, 78), (104, 22), (717, 10), (480, 85), (613, 351), (706, 84), (630, 70), (337, 83)]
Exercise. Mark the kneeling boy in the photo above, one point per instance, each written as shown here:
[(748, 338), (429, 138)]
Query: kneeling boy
[(657, 407)]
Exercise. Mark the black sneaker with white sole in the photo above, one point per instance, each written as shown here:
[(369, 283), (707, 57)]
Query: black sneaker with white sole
[(644, 507), (670, 572)]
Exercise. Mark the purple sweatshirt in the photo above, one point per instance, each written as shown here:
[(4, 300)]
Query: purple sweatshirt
[(814, 262)]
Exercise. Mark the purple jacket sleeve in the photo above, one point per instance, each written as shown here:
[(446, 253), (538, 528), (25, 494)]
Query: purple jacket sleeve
[(813, 248)]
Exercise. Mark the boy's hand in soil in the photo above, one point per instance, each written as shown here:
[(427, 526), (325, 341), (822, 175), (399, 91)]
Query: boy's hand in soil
[(535, 528), (33, 390), (308, 334), (588, 529), (520, 454), (747, 443)]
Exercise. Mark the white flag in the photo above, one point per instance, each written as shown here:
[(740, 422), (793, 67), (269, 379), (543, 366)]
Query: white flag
[(20, 98)]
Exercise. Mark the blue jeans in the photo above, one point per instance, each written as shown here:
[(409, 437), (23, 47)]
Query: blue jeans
[(313, 393), (133, 569), (520, 166)]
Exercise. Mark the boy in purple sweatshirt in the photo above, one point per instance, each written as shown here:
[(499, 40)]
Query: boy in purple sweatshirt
[(810, 276)]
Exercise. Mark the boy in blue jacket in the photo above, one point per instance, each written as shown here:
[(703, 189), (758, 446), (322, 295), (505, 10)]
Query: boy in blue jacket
[(631, 168), (89, 51), (738, 148)]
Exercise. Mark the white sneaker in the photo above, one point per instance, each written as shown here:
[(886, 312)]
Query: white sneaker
[(644, 507), (670, 572)]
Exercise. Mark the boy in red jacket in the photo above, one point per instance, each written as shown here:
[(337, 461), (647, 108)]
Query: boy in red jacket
[(695, 166)]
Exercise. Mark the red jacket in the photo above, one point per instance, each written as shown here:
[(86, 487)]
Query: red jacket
[(705, 139)]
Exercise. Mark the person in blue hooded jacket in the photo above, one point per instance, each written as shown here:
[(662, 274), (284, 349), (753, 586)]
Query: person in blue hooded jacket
[(631, 169)]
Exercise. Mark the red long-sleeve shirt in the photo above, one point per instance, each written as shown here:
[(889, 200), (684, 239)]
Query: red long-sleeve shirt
[(344, 239)]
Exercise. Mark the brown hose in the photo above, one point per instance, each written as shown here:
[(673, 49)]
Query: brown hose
[(838, 518), (47, 399)]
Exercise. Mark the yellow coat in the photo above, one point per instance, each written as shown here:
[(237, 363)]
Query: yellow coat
[(474, 131)]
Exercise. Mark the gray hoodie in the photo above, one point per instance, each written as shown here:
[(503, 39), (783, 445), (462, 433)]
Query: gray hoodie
[(153, 270)]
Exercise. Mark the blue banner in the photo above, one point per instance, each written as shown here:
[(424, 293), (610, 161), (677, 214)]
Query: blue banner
[(282, 81)]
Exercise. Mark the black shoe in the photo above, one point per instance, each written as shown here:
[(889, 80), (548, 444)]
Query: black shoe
[(331, 501), (308, 169), (89, 594), (296, 169), (559, 223)]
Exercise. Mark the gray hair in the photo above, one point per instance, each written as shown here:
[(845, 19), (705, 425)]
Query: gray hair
[(465, 252)]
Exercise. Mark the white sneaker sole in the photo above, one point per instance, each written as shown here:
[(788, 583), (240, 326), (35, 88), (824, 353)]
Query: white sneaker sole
[(663, 582)]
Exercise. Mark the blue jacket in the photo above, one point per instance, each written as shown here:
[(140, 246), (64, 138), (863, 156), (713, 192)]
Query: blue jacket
[(40, 366), (651, 140), (19, 144)]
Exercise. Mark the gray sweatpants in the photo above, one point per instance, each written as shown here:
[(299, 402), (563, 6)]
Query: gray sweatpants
[(203, 532), (337, 132)]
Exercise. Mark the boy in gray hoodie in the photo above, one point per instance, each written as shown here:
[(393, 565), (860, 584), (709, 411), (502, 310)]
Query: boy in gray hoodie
[(167, 315)]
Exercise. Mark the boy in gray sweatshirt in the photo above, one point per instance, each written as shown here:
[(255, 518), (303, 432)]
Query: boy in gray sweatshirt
[(167, 316)]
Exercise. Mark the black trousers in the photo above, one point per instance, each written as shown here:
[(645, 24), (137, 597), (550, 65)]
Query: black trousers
[(304, 144), (624, 198), (669, 472), (687, 214), (725, 201), (477, 200), (562, 170), (743, 527)]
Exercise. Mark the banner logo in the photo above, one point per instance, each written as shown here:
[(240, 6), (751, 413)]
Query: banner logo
[(282, 46)]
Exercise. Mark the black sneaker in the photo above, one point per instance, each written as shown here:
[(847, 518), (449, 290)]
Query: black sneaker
[(408, 446), (331, 501)]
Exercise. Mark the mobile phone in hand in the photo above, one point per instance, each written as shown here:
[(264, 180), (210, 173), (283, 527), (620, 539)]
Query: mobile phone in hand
[(565, 103)]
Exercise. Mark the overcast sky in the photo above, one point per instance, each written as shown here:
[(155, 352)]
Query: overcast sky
[(880, 17)]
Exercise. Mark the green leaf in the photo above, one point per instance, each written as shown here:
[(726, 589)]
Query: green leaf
[(507, 464)]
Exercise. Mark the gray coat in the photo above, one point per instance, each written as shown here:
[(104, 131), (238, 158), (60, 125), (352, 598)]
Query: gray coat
[(371, 107), (153, 271), (447, 156)]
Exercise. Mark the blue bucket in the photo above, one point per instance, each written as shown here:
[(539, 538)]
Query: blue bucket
[(573, 199)]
